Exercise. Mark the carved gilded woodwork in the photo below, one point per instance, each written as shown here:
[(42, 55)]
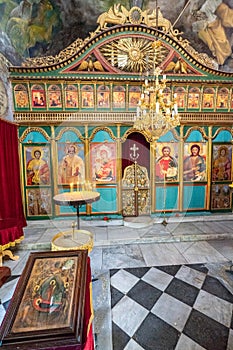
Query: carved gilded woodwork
[(200, 129), (111, 64), (97, 129), (73, 129), (115, 118), (34, 129), (135, 191), (118, 15), (134, 54)]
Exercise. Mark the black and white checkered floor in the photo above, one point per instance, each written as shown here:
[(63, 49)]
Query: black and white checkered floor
[(176, 307)]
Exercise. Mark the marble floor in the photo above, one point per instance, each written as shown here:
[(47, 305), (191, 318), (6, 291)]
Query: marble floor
[(182, 244)]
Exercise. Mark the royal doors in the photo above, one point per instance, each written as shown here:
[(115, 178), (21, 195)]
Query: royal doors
[(135, 176)]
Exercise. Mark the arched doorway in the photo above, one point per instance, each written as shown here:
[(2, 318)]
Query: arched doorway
[(136, 176)]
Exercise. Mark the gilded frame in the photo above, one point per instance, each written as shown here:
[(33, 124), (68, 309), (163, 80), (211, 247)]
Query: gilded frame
[(39, 201), (37, 165), (31, 320), (103, 161), (166, 162), (195, 162)]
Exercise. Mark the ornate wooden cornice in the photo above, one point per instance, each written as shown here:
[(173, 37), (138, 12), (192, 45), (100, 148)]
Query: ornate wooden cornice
[(98, 118)]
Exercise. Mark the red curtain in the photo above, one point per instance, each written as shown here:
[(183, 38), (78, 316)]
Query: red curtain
[(12, 219)]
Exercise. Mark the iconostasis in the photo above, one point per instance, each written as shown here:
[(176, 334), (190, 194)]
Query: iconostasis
[(52, 165), (76, 114)]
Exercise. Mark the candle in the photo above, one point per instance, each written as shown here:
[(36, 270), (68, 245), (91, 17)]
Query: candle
[(71, 187), (77, 186)]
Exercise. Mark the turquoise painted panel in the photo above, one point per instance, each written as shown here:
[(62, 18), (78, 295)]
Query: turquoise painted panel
[(194, 197), (107, 202), (72, 210), (69, 136), (79, 129), (223, 136), (65, 209), (124, 129), (102, 136), (206, 129), (114, 129), (168, 137), (167, 198), (195, 136), (35, 137)]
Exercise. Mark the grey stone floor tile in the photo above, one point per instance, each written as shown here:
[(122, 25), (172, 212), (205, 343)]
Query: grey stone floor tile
[(102, 310), (155, 231), (214, 307), (123, 234), (162, 254), (224, 247), (122, 256), (172, 311), (212, 227), (183, 228), (185, 343), (199, 252), (220, 271), (96, 256), (230, 340), (17, 266)]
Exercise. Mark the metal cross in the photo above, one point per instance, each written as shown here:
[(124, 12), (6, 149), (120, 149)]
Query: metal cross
[(135, 155)]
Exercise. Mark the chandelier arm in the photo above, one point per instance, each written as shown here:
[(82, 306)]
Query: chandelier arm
[(156, 113)]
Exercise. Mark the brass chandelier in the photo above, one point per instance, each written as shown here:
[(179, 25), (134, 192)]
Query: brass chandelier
[(157, 113)]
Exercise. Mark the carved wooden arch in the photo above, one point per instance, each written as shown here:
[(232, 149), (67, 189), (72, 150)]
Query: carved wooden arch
[(107, 129), (69, 128), (175, 134), (130, 131), (74, 52), (222, 129), (31, 129), (173, 44), (198, 128), (147, 137), (21, 87)]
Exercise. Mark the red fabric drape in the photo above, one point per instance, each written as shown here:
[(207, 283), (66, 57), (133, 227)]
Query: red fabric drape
[(12, 219), (88, 311)]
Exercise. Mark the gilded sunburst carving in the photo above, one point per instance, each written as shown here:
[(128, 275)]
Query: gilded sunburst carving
[(134, 54)]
